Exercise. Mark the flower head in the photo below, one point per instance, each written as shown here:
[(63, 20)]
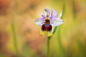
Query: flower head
[(48, 21)]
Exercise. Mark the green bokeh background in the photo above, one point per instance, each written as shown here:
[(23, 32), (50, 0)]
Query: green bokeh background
[(20, 36)]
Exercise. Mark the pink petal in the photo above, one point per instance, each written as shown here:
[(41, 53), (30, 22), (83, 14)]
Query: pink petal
[(57, 19), (39, 21), (46, 11), (60, 15), (54, 13)]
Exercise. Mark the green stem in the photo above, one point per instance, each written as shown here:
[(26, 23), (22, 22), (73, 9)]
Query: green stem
[(48, 43), (48, 46)]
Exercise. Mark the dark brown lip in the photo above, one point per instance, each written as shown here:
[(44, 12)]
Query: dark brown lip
[(46, 28)]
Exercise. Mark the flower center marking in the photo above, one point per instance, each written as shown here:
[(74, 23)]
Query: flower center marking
[(46, 26)]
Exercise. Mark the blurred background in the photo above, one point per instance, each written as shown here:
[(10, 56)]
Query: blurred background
[(20, 36)]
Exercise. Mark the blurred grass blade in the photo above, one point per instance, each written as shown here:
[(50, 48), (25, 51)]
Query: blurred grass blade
[(74, 12), (14, 37), (81, 49), (63, 10), (62, 51)]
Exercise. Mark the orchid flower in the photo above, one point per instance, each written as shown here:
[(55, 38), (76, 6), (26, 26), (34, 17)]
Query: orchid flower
[(49, 20)]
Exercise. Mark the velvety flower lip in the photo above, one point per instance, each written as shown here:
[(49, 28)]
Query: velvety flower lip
[(53, 15)]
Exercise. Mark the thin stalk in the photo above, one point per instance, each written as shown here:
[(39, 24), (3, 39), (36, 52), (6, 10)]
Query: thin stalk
[(48, 43), (48, 47)]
